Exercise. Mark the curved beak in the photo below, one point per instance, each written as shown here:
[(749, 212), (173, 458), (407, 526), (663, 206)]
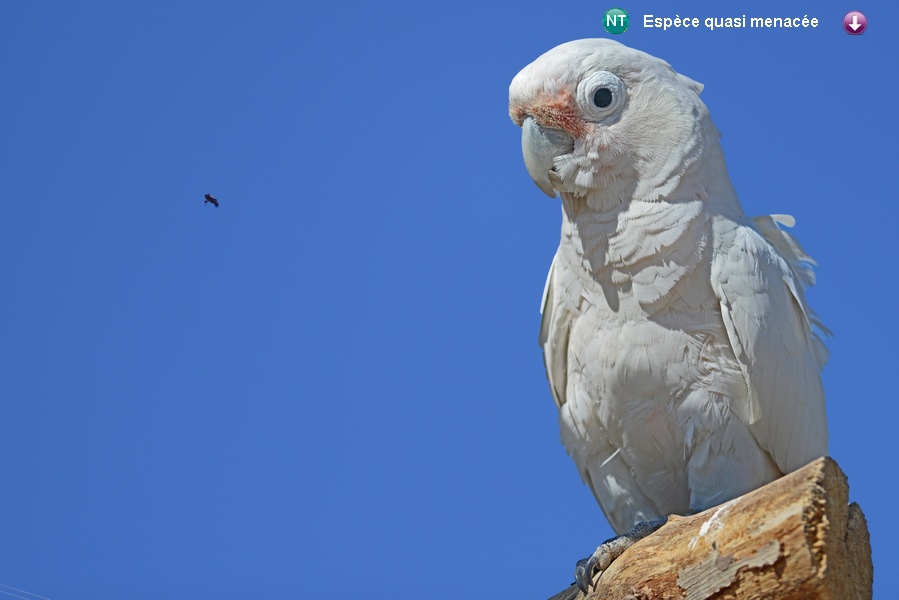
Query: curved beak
[(540, 145)]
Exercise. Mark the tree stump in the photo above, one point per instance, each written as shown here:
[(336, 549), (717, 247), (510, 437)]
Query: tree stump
[(797, 537)]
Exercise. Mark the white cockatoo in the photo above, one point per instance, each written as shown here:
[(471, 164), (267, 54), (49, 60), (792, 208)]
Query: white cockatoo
[(678, 343)]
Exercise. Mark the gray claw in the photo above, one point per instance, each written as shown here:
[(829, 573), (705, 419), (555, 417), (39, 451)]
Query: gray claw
[(609, 550), (583, 572), (581, 577)]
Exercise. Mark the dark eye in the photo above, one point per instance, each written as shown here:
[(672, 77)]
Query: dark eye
[(602, 97)]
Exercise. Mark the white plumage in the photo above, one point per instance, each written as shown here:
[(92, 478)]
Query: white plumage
[(678, 343)]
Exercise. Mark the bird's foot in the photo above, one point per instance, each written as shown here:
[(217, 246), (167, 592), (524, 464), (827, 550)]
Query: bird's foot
[(610, 550)]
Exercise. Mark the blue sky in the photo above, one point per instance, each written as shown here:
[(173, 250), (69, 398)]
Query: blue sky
[(331, 383)]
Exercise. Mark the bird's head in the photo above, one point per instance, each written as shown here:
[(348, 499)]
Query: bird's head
[(608, 124)]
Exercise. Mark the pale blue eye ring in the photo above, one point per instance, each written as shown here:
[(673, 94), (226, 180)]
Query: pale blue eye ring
[(600, 95)]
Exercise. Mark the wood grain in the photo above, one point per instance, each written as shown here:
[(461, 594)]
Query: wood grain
[(797, 537)]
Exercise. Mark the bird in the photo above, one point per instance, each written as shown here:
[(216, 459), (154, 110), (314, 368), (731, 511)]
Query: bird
[(209, 198), (680, 350)]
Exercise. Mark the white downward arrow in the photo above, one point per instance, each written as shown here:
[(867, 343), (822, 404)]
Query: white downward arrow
[(855, 24)]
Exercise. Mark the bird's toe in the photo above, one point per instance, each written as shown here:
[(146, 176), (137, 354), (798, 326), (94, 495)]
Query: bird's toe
[(583, 573)]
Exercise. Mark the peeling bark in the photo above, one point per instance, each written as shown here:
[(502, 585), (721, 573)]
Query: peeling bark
[(797, 537)]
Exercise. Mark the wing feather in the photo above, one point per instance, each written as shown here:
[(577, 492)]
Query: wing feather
[(554, 335), (770, 329)]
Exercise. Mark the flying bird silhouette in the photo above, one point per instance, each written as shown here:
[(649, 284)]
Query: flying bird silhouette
[(209, 198)]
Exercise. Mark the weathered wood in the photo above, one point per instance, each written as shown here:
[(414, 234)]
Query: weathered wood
[(797, 537)]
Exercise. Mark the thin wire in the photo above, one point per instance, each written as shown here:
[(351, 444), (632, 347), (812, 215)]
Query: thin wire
[(23, 591), (14, 595)]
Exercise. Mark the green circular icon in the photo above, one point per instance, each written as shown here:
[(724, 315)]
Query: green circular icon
[(615, 20)]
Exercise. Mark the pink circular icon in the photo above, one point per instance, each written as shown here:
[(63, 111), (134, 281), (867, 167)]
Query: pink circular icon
[(855, 22)]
